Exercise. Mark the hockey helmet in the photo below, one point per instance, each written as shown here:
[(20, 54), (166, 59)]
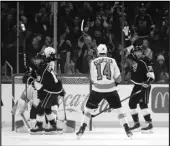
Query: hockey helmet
[(101, 49), (138, 48), (48, 51)]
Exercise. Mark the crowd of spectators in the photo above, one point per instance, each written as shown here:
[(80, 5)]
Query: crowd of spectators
[(148, 22)]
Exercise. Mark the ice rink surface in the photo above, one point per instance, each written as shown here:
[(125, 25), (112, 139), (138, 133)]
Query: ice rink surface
[(99, 136)]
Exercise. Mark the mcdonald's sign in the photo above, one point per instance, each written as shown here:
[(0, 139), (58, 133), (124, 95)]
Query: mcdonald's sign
[(160, 99)]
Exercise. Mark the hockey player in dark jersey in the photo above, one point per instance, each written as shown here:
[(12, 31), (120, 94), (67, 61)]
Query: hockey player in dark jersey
[(141, 76), (49, 87)]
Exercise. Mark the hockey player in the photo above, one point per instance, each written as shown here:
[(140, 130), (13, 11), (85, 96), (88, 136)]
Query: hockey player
[(141, 76), (48, 88), (105, 75)]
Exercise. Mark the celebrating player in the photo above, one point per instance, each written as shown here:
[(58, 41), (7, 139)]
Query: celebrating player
[(142, 75), (48, 87), (105, 76)]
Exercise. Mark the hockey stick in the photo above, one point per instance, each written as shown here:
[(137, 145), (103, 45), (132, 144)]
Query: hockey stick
[(25, 122), (82, 30), (121, 101), (65, 116), (82, 23)]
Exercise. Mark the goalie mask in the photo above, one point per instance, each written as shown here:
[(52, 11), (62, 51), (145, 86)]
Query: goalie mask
[(101, 50)]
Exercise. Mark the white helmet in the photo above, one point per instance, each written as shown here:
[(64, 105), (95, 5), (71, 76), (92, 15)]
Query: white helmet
[(48, 51), (101, 49)]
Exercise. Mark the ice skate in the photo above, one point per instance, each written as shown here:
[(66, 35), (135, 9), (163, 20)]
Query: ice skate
[(60, 131), (136, 127), (81, 131), (37, 130), (52, 130), (128, 131), (148, 128)]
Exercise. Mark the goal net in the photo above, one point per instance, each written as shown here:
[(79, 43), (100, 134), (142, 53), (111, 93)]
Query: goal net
[(77, 92)]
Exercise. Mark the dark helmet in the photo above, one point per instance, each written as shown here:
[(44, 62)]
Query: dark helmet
[(137, 48), (136, 52)]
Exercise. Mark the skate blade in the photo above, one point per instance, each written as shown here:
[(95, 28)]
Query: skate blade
[(130, 135), (79, 136), (136, 130), (36, 133), (60, 132), (51, 133), (147, 131)]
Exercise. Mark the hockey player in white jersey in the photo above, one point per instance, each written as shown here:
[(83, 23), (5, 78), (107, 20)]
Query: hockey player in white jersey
[(105, 75)]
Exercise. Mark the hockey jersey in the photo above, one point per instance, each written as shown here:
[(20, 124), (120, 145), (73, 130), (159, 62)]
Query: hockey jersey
[(48, 78), (140, 69), (103, 72)]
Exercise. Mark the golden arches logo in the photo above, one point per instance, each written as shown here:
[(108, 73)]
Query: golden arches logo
[(163, 97)]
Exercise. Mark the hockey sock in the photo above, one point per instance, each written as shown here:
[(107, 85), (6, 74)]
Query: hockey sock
[(146, 115), (86, 118), (135, 118), (122, 118), (40, 120), (52, 122), (39, 124), (51, 118), (134, 114), (55, 111), (148, 118)]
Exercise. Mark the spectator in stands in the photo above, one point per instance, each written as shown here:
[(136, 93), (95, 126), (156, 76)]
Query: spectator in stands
[(65, 45), (33, 48), (103, 24), (9, 40), (47, 43), (127, 67), (143, 24), (85, 55), (145, 44), (116, 24), (42, 22), (160, 69), (155, 42), (165, 31), (69, 67)]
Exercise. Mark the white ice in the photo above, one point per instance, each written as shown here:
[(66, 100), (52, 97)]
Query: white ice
[(99, 136)]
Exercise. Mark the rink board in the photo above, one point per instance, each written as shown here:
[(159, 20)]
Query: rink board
[(77, 95)]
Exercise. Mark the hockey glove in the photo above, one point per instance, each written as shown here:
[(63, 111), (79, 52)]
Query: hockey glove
[(151, 75), (35, 102), (37, 85), (145, 85)]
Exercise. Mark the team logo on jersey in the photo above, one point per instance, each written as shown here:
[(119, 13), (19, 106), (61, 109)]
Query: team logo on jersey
[(134, 66)]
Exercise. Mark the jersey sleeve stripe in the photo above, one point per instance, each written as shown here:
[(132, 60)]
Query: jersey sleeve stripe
[(147, 69), (145, 65), (136, 83), (53, 92)]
